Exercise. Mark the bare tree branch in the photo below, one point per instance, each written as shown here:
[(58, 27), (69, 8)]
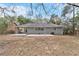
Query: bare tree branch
[(73, 4), (44, 8), (3, 11), (31, 8)]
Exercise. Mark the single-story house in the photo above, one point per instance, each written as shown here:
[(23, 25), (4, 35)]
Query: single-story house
[(40, 28)]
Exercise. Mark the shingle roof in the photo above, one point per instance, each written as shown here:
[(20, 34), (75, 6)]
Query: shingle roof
[(39, 25)]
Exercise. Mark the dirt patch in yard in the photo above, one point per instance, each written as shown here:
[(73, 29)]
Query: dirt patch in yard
[(39, 45)]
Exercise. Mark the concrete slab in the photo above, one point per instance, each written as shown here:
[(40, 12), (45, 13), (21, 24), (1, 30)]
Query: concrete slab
[(40, 35)]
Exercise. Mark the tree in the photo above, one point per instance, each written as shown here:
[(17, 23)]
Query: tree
[(67, 27), (7, 18), (23, 20), (77, 18), (3, 26), (68, 9), (55, 19), (4, 11)]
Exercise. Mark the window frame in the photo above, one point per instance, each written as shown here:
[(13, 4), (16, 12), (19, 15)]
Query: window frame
[(39, 29)]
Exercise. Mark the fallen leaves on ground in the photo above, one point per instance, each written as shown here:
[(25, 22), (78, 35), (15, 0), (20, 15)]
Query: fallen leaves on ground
[(39, 46)]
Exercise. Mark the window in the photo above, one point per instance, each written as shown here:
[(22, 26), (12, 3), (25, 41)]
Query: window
[(39, 28), (52, 33), (59, 27), (26, 30), (54, 28)]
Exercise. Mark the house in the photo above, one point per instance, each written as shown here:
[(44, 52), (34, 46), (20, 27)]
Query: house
[(40, 28)]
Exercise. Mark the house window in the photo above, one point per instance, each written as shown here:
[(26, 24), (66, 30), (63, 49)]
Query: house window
[(52, 33), (39, 28), (26, 30), (54, 28)]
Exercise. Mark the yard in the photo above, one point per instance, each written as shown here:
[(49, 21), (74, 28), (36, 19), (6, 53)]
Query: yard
[(39, 45)]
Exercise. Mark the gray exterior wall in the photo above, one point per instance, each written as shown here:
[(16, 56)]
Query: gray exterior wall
[(55, 30)]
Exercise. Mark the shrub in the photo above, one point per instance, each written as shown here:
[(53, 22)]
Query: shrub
[(3, 26)]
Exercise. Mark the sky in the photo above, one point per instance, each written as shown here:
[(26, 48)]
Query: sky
[(25, 9)]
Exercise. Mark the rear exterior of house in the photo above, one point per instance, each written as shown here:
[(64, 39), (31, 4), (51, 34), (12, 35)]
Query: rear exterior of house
[(40, 28)]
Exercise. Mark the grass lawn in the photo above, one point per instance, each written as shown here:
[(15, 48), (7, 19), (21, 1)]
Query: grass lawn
[(39, 45)]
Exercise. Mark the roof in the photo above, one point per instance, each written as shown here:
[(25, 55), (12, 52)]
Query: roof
[(39, 25)]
